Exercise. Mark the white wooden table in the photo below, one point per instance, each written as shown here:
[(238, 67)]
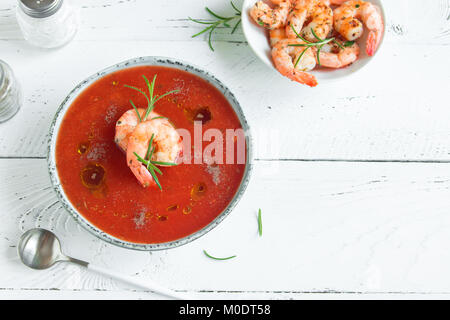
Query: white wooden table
[(354, 188)]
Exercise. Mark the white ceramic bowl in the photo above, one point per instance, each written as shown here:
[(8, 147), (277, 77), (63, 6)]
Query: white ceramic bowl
[(257, 38)]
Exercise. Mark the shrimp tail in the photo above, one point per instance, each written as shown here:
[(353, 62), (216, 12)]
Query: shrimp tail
[(371, 44), (373, 41), (305, 78), (301, 77), (282, 54), (335, 2), (143, 175), (149, 181)]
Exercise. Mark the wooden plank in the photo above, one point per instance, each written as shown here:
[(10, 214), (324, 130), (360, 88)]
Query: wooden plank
[(128, 294), (168, 21), (402, 115), (327, 227)]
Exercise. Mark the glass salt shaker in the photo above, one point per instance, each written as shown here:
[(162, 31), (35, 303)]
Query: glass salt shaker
[(10, 93), (47, 23)]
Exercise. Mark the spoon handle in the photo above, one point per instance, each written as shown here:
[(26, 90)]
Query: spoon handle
[(147, 284)]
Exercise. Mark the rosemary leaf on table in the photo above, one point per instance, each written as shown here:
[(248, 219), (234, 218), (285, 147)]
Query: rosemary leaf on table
[(215, 258), (220, 21)]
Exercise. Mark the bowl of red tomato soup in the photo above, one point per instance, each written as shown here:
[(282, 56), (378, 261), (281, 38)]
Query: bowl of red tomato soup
[(91, 140)]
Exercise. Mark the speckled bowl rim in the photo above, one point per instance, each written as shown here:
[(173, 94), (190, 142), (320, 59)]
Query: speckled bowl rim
[(146, 61)]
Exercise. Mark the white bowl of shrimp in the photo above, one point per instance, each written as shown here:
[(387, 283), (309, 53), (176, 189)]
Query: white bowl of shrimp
[(314, 41)]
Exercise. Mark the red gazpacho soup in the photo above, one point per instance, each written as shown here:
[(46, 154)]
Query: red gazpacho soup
[(94, 173)]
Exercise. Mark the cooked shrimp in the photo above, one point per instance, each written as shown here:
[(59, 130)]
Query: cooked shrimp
[(166, 141), (334, 2), (297, 17), (284, 57), (321, 23), (347, 22), (319, 15), (276, 35), (126, 125), (341, 59), (271, 18)]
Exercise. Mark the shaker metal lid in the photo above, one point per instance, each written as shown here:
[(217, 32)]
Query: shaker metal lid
[(40, 8)]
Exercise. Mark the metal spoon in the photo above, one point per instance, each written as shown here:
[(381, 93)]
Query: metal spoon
[(41, 249)]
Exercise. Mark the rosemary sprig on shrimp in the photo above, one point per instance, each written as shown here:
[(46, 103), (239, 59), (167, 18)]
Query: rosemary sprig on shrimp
[(148, 139), (319, 45), (224, 21), (151, 165)]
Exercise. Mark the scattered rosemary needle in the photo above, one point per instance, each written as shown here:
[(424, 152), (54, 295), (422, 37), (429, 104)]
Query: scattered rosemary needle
[(259, 223), (213, 24), (215, 258)]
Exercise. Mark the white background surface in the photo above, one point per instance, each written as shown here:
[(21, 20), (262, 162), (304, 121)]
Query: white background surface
[(352, 177)]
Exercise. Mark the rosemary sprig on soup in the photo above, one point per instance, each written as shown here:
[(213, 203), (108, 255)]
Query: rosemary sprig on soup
[(152, 99)]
